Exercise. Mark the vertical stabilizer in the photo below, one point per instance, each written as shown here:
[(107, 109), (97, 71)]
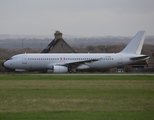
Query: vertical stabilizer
[(136, 44)]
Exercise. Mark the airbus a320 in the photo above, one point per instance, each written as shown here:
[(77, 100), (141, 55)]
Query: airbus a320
[(62, 63)]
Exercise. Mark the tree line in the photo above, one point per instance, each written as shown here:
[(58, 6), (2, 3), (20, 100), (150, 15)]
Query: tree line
[(147, 49)]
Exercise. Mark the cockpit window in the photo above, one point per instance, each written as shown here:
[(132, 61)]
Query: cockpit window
[(10, 58)]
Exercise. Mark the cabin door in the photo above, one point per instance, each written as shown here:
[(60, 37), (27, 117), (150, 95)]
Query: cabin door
[(24, 59)]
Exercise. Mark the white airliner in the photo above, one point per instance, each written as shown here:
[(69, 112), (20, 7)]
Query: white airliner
[(61, 63)]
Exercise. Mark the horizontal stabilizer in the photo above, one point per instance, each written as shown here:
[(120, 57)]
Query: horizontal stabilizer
[(140, 58)]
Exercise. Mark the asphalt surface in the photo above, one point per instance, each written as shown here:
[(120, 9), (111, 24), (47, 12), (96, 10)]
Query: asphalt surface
[(98, 74), (122, 74)]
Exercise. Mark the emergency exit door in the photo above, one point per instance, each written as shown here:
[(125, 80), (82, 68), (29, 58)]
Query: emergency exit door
[(119, 59)]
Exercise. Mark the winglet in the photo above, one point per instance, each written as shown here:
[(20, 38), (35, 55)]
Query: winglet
[(136, 44)]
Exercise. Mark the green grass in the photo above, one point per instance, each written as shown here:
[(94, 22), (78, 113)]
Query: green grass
[(76, 97)]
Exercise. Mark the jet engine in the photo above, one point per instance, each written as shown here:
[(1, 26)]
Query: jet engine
[(60, 69)]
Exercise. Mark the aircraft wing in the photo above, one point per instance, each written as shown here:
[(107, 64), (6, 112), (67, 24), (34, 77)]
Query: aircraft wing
[(78, 63)]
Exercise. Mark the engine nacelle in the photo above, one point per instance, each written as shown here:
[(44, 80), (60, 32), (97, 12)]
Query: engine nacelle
[(60, 69), (20, 70)]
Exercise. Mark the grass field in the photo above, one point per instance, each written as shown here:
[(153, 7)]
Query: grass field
[(39, 97)]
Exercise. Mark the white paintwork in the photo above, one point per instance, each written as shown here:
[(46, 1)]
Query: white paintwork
[(73, 61)]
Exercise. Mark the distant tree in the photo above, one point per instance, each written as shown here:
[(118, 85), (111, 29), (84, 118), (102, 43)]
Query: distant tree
[(101, 47), (93, 49)]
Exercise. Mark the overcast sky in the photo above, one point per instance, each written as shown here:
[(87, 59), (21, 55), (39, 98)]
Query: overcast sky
[(77, 17)]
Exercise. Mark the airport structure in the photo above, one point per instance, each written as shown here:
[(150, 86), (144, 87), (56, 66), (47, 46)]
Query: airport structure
[(139, 66), (58, 45)]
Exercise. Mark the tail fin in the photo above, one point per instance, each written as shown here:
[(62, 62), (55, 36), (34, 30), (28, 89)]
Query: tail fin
[(136, 44)]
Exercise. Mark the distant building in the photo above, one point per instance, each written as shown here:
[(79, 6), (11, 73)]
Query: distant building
[(139, 66), (151, 61), (136, 67), (58, 45)]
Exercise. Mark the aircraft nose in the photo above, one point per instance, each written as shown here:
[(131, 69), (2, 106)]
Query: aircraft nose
[(6, 64)]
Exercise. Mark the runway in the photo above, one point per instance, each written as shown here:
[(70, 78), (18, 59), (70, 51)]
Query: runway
[(92, 74), (151, 74)]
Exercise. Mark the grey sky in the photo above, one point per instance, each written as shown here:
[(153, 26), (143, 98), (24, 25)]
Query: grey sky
[(77, 17)]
